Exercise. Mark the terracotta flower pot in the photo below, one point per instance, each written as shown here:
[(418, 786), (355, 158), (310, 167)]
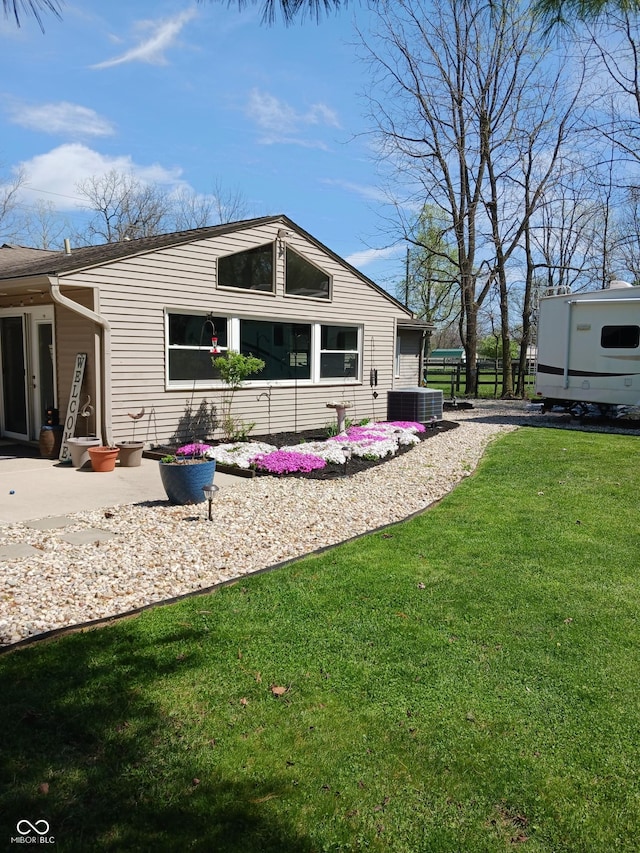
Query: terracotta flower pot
[(103, 458)]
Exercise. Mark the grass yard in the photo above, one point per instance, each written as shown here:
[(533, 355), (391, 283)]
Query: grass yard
[(465, 681)]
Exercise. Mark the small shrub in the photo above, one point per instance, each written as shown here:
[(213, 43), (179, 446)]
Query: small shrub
[(331, 430)]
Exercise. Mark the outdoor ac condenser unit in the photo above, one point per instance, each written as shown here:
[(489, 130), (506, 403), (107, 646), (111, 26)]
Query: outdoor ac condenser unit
[(414, 404)]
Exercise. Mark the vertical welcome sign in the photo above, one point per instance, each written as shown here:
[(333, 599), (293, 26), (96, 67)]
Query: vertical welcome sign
[(72, 408)]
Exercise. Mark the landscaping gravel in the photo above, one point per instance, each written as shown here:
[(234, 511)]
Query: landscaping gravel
[(161, 551)]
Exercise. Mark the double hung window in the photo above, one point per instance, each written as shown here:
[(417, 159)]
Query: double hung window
[(339, 352), (189, 346)]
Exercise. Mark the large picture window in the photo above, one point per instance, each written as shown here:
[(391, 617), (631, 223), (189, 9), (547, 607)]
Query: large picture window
[(292, 351), (285, 348), (339, 354), (620, 337), (304, 279), (250, 270), (189, 346)]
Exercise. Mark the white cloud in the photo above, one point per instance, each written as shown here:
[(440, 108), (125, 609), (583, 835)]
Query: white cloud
[(157, 37), (282, 124), (365, 191), (369, 256), (61, 118), (54, 175)]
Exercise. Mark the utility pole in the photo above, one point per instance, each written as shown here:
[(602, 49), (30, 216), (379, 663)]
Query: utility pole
[(406, 282)]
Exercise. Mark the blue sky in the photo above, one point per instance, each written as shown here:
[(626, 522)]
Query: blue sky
[(193, 94)]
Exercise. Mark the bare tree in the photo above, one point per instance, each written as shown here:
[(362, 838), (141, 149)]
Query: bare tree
[(465, 119), (190, 209), (44, 227), (626, 249), (563, 249), (10, 220), (429, 287), (523, 162), (123, 207), (616, 41)]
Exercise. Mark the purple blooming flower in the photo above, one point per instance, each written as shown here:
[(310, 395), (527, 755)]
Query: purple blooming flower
[(286, 462), (414, 425), (359, 433), (196, 449)]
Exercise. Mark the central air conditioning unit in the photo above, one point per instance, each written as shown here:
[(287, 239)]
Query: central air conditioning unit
[(414, 404)]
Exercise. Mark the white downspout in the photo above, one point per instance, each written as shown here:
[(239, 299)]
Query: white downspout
[(104, 379), (567, 354)]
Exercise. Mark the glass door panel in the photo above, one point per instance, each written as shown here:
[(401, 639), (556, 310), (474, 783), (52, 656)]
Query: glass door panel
[(14, 393), (43, 374)]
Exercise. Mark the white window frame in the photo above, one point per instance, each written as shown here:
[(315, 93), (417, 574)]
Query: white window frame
[(233, 343), (357, 352), (324, 300), (230, 288), (183, 384)]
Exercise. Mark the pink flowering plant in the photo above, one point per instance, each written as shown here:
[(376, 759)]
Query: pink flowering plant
[(372, 441), (378, 440), (195, 452), (286, 462)]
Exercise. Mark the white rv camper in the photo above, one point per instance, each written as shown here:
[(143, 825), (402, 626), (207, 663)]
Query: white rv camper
[(589, 349)]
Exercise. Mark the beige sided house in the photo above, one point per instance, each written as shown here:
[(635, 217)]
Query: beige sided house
[(142, 311)]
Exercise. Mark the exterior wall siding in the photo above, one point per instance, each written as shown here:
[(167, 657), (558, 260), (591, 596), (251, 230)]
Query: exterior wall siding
[(73, 334), (135, 292)]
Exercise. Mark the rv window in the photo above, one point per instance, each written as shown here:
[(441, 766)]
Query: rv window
[(620, 337)]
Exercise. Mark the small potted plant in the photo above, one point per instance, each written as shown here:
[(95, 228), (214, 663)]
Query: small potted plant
[(234, 368), (186, 471), (131, 451)]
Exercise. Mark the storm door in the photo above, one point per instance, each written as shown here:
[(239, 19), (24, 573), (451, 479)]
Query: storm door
[(15, 416), (27, 371)]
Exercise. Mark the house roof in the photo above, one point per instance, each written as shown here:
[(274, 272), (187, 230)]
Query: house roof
[(21, 262), (11, 255), (91, 256), (415, 323)]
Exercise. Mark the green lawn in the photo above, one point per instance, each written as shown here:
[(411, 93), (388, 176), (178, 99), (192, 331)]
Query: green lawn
[(465, 681)]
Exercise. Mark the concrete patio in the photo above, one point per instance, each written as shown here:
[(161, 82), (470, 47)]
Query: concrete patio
[(33, 488)]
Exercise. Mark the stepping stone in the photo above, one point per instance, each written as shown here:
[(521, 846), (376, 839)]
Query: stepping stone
[(88, 537), (50, 523), (18, 551)]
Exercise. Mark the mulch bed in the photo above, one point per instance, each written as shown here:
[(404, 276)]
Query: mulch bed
[(331, 471)]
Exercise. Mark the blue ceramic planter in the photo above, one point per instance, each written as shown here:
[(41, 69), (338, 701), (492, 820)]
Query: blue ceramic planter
[(183, 481)]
